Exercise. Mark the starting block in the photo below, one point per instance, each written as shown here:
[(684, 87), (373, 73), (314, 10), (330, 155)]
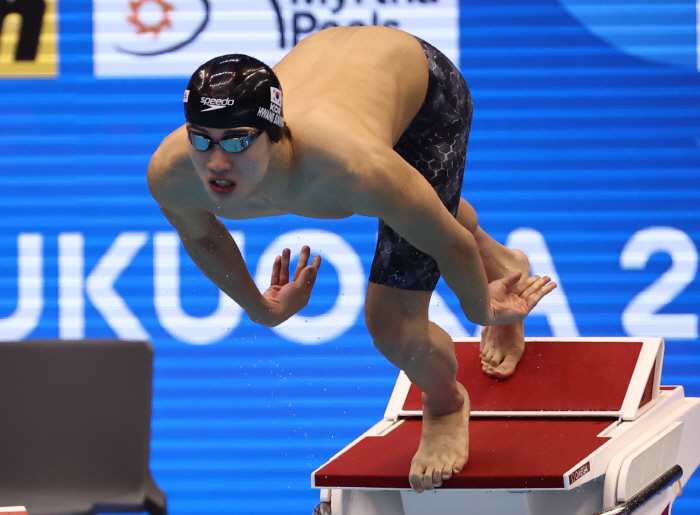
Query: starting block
[(583, 426)]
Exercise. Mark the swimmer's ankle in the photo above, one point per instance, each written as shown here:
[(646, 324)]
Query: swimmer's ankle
[(445, 405)]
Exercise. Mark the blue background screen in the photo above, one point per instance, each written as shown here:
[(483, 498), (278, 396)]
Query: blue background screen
[(584, 152)]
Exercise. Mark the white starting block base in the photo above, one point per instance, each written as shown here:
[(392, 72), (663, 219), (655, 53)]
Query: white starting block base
[(599, 431), (586, 500)]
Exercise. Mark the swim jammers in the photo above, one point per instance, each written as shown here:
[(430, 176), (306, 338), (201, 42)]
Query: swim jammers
[(435, 144)]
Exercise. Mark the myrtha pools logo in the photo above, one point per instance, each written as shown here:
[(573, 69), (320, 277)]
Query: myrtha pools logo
[(173, 37), (297, 19)]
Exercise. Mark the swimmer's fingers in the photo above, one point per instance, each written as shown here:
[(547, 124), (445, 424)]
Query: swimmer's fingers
[(519, 289), (308, 275), (284, 268), (531, 286), (536, 288), (303, 260), (275, 279)]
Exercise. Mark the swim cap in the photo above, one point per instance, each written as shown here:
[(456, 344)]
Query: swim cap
[(235, 90)]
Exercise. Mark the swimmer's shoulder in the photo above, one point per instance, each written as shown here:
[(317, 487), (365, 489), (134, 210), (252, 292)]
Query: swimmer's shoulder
[(346, 161), (171, 177)]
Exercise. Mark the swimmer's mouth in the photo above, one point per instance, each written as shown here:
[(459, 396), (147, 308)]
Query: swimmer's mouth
[(222, 186)]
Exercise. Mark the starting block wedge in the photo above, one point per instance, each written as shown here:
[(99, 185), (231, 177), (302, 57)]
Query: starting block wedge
[(581, 428)]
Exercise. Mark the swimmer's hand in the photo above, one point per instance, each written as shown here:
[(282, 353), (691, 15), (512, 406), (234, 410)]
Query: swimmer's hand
[(511, 302), (284, 297)]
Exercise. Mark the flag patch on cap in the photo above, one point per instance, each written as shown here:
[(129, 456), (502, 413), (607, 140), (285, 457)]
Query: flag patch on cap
[(276, 96), (187, 95)]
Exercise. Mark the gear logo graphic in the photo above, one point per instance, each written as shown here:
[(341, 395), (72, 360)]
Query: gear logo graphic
[(156, 28), (170, 33)]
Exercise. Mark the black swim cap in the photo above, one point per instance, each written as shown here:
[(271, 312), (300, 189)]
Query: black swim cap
[(235, 90)]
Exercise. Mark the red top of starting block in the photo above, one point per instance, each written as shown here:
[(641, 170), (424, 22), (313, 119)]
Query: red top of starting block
[(513, 454), (555, 377), (542, 428)]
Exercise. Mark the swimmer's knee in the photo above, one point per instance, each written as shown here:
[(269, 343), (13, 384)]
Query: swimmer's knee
[(400, 345), (397, 320), (383, 336)]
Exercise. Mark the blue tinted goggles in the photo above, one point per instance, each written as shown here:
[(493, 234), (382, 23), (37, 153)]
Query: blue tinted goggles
[(232, 144)]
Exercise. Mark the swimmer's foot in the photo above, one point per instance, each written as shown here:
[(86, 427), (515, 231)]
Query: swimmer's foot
[(443, 449), (502, 346)]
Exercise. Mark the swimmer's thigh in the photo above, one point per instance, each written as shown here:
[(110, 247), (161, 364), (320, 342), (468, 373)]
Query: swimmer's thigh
[(395, 317)]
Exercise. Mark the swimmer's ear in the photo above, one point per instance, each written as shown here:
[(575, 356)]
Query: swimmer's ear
[(286, 134)]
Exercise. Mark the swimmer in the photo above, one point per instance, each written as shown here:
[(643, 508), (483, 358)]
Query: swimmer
[(354, 120)]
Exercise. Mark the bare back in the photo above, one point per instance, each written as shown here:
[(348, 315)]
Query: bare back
[(375, 77), (346, 90)]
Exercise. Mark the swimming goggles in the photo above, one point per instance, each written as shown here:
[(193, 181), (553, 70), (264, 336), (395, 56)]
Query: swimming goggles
[(232, 144)]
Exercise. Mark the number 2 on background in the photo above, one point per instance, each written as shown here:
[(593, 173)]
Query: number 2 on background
[(641, 317)]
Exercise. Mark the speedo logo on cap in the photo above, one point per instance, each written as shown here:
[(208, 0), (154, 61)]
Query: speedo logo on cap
[(215, 103)]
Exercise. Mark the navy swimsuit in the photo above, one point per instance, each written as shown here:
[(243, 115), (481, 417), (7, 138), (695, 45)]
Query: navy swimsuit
[(435, 144)]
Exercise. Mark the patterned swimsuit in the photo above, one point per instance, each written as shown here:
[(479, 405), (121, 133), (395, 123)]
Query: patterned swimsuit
[(435, 144)]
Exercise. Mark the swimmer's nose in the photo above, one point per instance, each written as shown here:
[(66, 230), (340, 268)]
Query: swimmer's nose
[(219, 161)]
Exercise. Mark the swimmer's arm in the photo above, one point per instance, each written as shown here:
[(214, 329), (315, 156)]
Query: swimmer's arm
[(395, 192), (216, 254), (211, 247), (205, 238)]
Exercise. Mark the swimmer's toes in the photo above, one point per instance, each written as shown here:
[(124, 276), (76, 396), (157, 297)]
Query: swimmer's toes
[(416, 484), (428, 478), (415, 478), (437, 477), (459, 465), (488, 370), (496, 359), (448, 470), (484, 345), (505, 369)]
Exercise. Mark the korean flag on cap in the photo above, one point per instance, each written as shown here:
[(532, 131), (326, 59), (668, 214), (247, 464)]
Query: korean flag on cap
[(276, 96)]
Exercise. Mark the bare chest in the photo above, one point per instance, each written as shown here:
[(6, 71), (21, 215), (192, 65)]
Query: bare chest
[(323, 203), (317, 195)]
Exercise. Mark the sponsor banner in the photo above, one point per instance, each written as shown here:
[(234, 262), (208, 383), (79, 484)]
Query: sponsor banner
[(173, 37), (28, 38)]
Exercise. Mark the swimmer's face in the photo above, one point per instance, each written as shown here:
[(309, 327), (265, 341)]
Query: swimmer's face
[(229, 174)]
